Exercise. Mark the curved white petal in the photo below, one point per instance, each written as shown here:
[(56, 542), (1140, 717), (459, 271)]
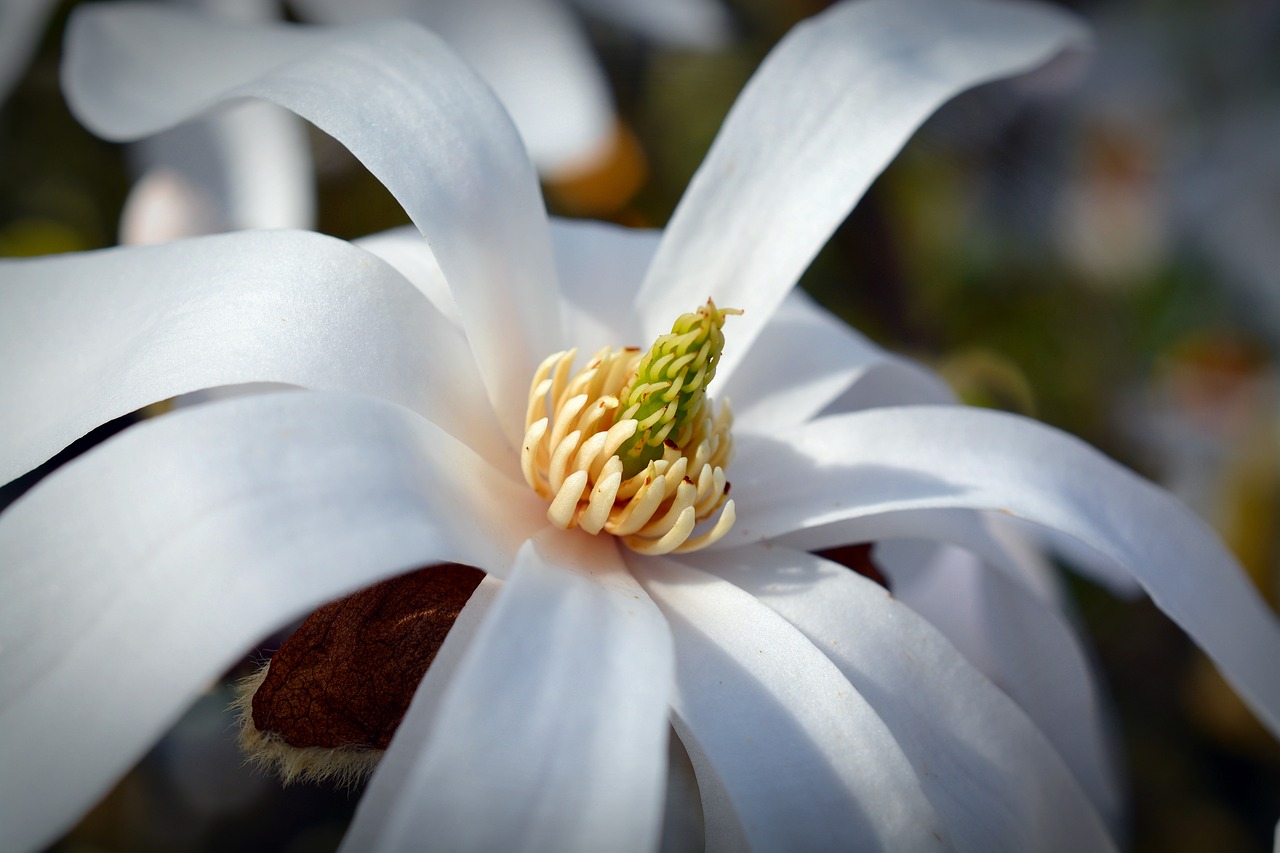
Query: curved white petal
[(385, 788), (805, 359), (1019, 643), (827, 110), (541, 65), (139, 571), (601, 266), (532, 52), (408, 251), (404, 104), (721, 824), (994, 779), (682, 23), (247, 166), (1002, 542), (21, 25), (89, 337), (683, 827), (983, 533), (862, 469), (552, 733), (806, 761)]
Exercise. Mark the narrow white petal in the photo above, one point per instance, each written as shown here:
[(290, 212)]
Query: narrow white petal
[(251, 162), (85, 338), (860, 473), (683, 826), (404, 104), (995, 780), (805, 360), (541, 65), (532, 52), (385, 788), (1019, 643), (552, 733), (601, 266), (408, 251), (806, 761), (827, 110), (1003, 541), (141, 570), (722, 826)]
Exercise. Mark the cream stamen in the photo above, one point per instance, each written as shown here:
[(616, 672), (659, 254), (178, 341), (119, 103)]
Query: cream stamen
[(651, 409)]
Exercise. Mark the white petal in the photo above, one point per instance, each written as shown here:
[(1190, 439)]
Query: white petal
[(805, 360), (404, 104), (141, 570), (1019, 643), (21, 26), (683, 827), (1003, 542), (804, 758), (250, 163), (722, 826), (601, 266), (856, 472), (827, 110), (89, 337), (539, 62), (552, 734), (685, 23), (994, 779), (406, 250), (532, 52), (385, 789), (247, 166)]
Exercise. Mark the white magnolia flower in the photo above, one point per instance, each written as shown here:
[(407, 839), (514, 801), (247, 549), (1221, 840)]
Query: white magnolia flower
[(815, 710)]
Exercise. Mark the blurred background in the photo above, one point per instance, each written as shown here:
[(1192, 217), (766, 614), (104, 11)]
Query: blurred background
[(1096, 245)]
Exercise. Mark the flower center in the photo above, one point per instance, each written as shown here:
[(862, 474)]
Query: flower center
[(630, 444)]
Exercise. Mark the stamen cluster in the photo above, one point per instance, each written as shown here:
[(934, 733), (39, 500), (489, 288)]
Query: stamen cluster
[(630, 445)]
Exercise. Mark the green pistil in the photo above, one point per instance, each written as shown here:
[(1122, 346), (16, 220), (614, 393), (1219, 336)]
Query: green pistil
[(669, 389)]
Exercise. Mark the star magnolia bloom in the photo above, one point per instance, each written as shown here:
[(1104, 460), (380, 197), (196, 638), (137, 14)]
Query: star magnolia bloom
[(812, 709)]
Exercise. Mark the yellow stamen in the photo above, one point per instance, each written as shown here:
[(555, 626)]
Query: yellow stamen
[(629, 445)]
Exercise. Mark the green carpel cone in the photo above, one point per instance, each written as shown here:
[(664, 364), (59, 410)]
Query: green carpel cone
[(669, 389)]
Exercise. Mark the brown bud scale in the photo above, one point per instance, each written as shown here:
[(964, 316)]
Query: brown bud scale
[(346, 676)]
